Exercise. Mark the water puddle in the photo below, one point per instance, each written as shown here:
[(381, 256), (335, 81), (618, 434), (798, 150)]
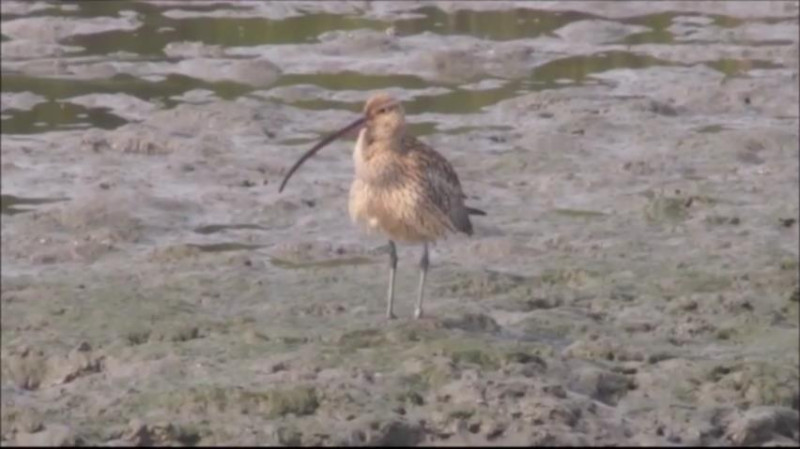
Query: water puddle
[(212, 229), (12, 205), (224, 247), (161, 29), (59, 114), (658, 32), (168, 23), (469, 129), (423, 128), (298, 141), (739, 67), (493, 25), (51, 115), (578, 68), (560, 73), (579, 213), (711, 129), (348, 80), (556, 340), (325, 263), (462, 101)]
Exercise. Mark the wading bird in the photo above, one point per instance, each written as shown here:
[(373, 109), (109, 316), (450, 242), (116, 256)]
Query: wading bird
[(402, 187)]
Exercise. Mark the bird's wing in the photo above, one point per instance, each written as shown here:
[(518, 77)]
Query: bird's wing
[(440, 184)]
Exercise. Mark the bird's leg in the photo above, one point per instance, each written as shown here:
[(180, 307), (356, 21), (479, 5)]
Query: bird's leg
[(423, 265), (392, 268)]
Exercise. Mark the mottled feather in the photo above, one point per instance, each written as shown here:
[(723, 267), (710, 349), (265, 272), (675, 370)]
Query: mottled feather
[(407, 190), (439, 182)]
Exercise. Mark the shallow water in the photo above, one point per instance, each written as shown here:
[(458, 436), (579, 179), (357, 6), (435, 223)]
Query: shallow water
[(147, 42)]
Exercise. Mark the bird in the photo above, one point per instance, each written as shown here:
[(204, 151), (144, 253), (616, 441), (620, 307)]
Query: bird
[(402, 187)]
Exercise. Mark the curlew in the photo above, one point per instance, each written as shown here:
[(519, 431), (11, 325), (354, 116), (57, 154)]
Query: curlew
[(402, 188)]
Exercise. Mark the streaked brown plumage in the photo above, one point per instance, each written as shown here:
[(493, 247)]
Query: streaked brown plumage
[(402, 187)]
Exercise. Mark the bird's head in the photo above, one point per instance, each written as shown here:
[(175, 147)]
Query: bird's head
[(385, 117)]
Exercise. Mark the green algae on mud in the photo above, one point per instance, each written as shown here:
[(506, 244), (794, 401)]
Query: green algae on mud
[(10, 204), (208, 400), (294, 400)]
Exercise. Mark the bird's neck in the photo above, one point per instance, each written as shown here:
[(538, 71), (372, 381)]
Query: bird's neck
[(372, 152), (383, 138)]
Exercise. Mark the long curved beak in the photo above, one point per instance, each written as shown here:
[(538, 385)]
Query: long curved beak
[(347, 129)]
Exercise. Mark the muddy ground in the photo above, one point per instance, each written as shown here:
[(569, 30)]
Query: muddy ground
[(635, 281)]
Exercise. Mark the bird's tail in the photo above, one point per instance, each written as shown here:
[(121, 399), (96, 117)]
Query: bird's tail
[(473, 211)]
